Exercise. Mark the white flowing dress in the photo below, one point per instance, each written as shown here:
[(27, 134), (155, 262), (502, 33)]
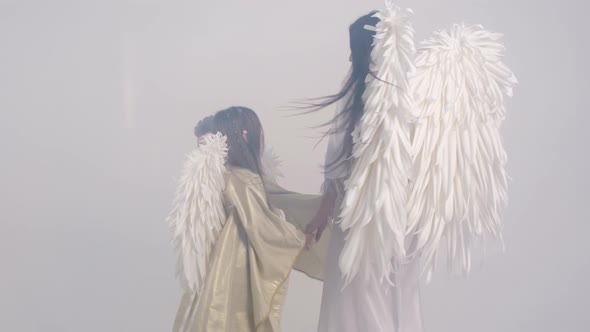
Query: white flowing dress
[(364, 305)]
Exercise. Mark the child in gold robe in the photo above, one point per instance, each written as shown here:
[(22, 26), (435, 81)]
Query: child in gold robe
[(260, 243)]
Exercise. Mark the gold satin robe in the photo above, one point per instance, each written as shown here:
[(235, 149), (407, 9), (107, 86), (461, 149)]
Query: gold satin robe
[(252, 259)]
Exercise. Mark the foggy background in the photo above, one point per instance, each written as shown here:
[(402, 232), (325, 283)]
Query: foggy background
[(98, 100)]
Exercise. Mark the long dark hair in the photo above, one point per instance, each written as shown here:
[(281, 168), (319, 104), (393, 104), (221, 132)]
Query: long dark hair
[(205, 126), (361, 45), (245, 138)]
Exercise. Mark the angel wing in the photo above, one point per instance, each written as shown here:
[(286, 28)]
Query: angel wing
[(374, 208), (198, 215), (271, 165), (460, 189)]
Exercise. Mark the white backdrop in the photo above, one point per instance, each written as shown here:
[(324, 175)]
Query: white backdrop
[(98, 102)]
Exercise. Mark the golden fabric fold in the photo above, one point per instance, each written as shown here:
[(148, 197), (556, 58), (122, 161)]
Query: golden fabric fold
[(249, 266), (299, 210)]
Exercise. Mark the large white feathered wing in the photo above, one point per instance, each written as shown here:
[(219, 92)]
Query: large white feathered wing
[(374, 208), (198, 215), (460, 189)]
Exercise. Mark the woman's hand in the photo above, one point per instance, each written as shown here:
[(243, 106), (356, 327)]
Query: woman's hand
[(316, 227), (319, 222)]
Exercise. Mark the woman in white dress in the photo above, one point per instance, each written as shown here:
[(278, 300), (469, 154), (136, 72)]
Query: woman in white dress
[(361, 304), (403, 179)]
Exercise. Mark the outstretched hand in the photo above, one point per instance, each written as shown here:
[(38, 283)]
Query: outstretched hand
[(316, 227), (318, 224)]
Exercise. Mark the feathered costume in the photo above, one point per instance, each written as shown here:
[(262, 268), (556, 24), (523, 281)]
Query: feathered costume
[(449, 180), (235, 251), (460, 189), (374, 209), (368, 286), (198, 214), (427, 169)]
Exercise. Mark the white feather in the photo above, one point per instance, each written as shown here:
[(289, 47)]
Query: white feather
[(374, 209), (271, 165), (198, 215), (460, 189)]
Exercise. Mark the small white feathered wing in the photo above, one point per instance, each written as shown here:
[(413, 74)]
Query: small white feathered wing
[(460, 189), (374, 208), (271, 165), (198, 215)]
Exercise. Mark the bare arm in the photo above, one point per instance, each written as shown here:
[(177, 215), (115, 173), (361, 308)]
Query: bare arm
[(318, 224)]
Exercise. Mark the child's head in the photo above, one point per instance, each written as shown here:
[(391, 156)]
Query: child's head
[(245, 139), (204, 126)]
